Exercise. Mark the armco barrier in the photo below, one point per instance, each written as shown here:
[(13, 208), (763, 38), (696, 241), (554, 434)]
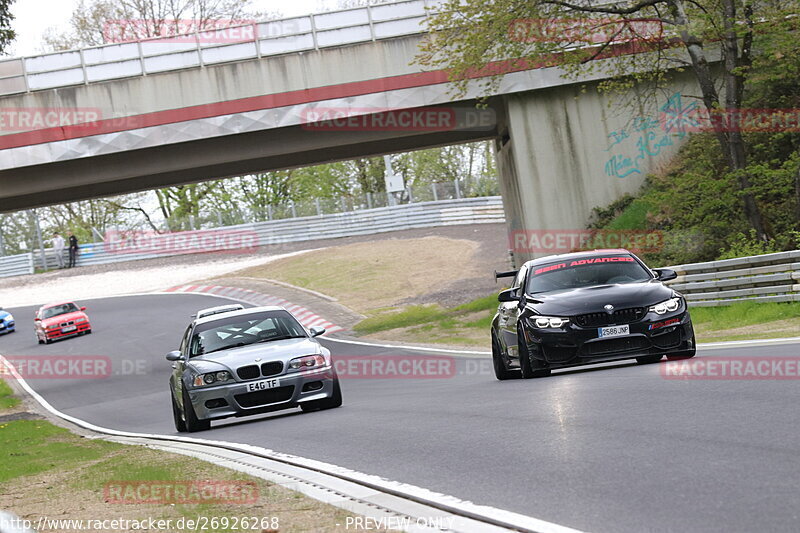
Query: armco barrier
[(759, 278), (348, 224), (16, 265)]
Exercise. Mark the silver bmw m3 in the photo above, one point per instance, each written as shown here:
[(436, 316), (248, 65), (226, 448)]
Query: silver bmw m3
[(239, 362)]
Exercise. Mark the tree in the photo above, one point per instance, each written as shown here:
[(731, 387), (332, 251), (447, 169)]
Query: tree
[(6, 33), (640, 41), (93, 22)]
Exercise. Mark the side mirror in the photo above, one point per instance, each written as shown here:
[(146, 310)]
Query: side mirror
[(316, 331), (83, 309), (174, 355), (508, 295), (665, 274), (37, 319)]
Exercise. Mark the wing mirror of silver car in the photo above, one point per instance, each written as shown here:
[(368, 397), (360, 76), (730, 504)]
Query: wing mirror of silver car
[(174, 355), (316, 331)]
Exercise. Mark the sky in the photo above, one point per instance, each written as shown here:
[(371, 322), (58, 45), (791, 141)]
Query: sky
[(33, 17)]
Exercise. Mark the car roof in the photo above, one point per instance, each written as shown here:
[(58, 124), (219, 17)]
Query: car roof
[(576, 255), (245, 311), (47, 306)]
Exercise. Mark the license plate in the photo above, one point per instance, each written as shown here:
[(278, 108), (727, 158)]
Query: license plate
[(68, 329), (263, 385), (614, 331)]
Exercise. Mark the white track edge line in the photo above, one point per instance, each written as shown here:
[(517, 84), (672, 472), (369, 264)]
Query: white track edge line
[(500, 517)]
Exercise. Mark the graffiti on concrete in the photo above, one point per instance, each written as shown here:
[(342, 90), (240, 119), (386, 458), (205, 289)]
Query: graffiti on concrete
[(646, 137)]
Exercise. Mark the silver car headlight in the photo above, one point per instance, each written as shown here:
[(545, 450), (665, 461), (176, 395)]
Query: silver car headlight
[(667, 306), (307, 362), (212, 378)]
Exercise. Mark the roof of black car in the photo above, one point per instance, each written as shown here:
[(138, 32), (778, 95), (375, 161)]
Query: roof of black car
[(576, 255)]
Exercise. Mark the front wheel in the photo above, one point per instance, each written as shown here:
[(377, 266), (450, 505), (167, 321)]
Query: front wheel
[(177, 416), (529, 366), (190, 417), (501, 372)]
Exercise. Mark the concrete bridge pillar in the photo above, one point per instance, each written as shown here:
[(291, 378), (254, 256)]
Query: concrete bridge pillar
[(563, 151)]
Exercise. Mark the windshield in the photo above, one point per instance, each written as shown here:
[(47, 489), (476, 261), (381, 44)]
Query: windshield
[(56, 310), (244, 329), (589, 272)]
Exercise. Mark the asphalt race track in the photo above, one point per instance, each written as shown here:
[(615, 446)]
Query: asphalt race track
[(617, 448)]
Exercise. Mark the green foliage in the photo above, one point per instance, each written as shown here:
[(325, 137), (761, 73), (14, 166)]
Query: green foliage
[(741, 245), (7, 34)]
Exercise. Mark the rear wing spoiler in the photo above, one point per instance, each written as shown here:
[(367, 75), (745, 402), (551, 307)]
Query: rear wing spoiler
[(506, 274)]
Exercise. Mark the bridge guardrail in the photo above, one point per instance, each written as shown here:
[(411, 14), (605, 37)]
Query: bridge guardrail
[(162, 54), (480, 210), (759, 278)]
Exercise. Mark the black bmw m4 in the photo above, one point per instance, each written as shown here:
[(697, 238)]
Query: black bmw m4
[(587, 307)]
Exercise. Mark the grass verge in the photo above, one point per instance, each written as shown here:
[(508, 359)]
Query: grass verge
[(7, 399), (47, 472), (469, 324)]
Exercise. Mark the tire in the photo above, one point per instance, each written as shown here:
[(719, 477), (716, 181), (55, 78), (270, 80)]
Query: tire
[(88, 332), (328, 403), (649, 359), (39, 339), (177, 417), (190, 417), (500, 371), (46, 340), (529, 367)]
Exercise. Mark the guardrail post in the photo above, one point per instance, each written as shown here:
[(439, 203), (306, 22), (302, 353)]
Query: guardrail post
[(199, 50), (83, 67), (369, 200), (257, 40), (294, 210), (269, 211), (314, 32), (141, 57), (369, 18), (458, 189), (435, 194), (319, 207), (341, 204), (410, 195)]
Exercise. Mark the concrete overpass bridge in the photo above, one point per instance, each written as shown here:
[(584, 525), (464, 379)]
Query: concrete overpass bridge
[(140, 115)]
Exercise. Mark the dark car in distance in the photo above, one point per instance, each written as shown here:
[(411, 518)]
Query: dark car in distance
[(587, 307)]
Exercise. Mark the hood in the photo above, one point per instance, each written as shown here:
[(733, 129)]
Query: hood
[(267, 351), (4, 314), (66, 317), (592, 299)]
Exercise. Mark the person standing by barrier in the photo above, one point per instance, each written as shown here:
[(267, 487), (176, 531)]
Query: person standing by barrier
[(73, 249), (58, 247)]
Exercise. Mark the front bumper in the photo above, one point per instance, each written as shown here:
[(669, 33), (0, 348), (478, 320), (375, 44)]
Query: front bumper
[(573, 345), (7, 327), (59, 333), (232, 399)]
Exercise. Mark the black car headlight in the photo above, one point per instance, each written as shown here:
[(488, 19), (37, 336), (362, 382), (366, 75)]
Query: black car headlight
[(545, 322), (212, 378), (306, 362), (667, 306)]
